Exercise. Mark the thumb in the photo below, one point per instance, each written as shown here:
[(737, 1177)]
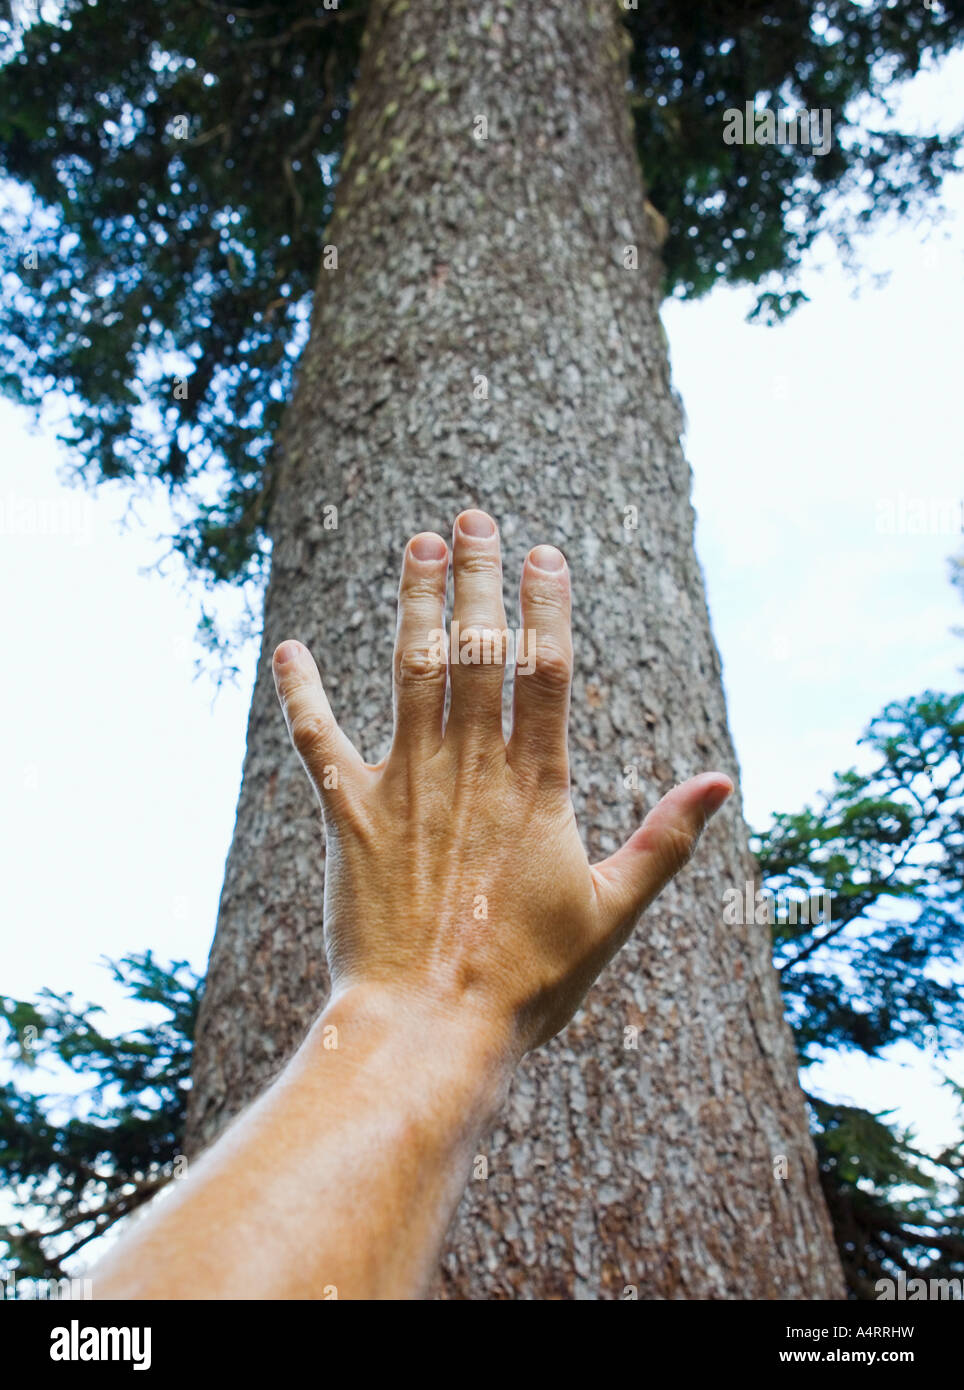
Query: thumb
[(631, 878)]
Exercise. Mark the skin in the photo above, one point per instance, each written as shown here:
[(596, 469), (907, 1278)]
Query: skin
[(463, 927)]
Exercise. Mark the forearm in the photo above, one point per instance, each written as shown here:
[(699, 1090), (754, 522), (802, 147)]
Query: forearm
[(341, 1180)]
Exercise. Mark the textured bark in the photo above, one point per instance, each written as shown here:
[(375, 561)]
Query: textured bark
[(504, 258)]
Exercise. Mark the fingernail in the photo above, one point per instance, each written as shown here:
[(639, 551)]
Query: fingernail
[(476, 524), (288, 651), (548, 558), (715, 797), (428, 546)]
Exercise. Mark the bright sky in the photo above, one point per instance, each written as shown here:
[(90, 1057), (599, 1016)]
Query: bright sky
[(122, 770)]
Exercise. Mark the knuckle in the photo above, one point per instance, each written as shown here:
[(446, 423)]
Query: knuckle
[(421, 588), (680, 846), (545, 595), (479, 562), (311, 731), (420, 664), (553, 666)]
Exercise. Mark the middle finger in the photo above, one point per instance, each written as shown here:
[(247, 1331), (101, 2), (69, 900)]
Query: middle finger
[(478, 634)]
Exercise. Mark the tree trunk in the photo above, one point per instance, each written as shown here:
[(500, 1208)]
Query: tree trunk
[(489, 192)]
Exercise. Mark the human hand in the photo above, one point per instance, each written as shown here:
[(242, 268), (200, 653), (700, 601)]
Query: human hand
[(456, 880)]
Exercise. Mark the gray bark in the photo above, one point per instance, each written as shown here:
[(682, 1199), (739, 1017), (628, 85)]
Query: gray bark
[(458, 258)]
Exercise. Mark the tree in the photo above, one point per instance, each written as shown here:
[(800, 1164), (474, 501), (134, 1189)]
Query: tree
[(478, 344), (484, 331)]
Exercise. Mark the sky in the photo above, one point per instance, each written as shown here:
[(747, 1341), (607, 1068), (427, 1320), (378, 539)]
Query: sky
[(814, 447)]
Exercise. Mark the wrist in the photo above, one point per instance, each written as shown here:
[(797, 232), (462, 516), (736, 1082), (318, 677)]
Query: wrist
[(403, 1039)]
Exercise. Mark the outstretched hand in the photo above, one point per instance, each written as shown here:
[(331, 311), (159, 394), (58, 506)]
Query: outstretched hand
[(456, 879)]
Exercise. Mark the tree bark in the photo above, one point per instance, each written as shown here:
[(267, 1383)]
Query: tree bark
[(614, 1167)]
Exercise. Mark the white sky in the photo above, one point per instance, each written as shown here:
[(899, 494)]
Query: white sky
[(122, 771)]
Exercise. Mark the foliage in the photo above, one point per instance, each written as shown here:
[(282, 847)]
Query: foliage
[(747, 214), (179, 157), (889, 845), (893, 1208), (74, 1163)]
